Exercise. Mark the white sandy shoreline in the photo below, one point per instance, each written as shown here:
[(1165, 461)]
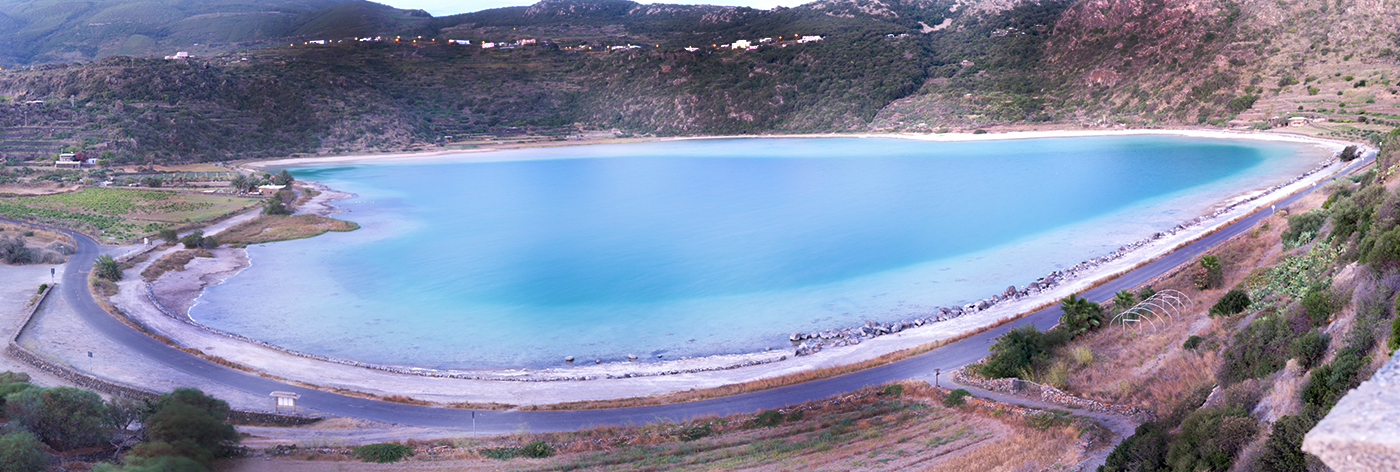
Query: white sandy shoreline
[(946, 137), (627, 379)]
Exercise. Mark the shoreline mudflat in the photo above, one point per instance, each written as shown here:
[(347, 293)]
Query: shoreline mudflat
[(630, 379)]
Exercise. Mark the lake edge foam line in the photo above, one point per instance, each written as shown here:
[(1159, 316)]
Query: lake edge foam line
[(512, 372)]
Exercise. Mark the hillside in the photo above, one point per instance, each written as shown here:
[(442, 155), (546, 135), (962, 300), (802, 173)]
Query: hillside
[(664, 70), (55, 31)]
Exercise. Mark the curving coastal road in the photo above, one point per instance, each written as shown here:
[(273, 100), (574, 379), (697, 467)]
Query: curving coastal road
[(921, 367)]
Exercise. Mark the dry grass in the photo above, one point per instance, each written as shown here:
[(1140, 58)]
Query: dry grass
[(269, 228), (1026, 448), (174, 261)]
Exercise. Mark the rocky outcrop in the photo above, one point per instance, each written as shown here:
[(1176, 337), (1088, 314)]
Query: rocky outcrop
[(1362, 433)]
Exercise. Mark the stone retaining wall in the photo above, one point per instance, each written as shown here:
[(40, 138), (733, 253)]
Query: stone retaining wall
[(1048, 394), (82, 380)]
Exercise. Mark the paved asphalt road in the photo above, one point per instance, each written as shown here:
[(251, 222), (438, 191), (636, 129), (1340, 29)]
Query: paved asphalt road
[(918, 367)]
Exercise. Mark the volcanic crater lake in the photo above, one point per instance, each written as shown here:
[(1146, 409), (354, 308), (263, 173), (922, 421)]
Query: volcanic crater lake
[(697, 247)]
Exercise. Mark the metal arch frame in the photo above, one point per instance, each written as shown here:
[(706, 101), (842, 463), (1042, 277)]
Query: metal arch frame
[(1163, 307)]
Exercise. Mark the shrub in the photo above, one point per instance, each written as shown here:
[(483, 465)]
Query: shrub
[(979, 131), (169, 235), (1308, 348), (768, 418), (1020, 350), (1303, 227), (187, 414), (22, 453), (892, 390), (107, 268), (1258, 350), (63, 417), (537, 449), (696, 432), (956, 398), (1319, 304), (382, 453), (1348, 154), (193, 240), (1283, 451), (1192, 342), (1394, 342), (43, 287), (1210, 438), (1234, 302)]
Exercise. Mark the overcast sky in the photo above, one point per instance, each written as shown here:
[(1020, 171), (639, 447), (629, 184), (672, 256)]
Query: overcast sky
[(453, 7)]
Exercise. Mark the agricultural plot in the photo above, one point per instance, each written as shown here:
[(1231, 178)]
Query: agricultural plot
[(114, 214)]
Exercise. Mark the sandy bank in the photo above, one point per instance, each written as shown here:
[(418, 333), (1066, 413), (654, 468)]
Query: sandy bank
[(626, 379)]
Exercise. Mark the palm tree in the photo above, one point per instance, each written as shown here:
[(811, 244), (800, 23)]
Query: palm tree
[(1123, 300), (1080, 315), (238, 182)]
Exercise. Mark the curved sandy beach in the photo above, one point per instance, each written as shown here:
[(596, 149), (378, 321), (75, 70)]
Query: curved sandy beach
[(176, 290)]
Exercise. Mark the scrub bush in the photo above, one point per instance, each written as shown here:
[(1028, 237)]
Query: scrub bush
[(21, 452), (1192, 342), (382, 453), (1309, 348), (1258, 350), (956, 398), (1303, 227), (1234, 302)]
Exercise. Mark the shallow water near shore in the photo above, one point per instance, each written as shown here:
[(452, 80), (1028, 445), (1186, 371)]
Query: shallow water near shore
[(687, 248)]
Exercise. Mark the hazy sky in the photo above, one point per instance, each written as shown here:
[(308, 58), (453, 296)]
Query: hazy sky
[(452, 7)]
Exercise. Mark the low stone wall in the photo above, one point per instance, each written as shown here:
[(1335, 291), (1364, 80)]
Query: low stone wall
[(1052, 395), (82, 380)]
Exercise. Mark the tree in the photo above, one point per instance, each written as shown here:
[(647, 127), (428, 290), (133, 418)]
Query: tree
[(22, 453), (152, 181), (1123, 300), (187, 414), (274, 206), (193, 240), (108, 268), (238, 182), (63, 417), (169, 235), (282, 178), (1080, 315), (1348, 154)]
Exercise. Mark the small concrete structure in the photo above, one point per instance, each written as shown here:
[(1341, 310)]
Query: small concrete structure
[(284, 400), (270, 189), (1299, 121), (1362, 433)]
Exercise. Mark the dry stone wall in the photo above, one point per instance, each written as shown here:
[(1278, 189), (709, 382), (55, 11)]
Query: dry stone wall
[(1048, 394)]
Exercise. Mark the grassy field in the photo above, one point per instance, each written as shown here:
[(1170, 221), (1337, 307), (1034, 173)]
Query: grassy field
[(118, 214)]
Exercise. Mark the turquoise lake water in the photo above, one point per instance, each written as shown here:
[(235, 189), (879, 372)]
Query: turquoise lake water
[(685, 248)]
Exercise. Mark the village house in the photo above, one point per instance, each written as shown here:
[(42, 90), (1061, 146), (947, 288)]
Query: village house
[(270, 189), (808, 39), (488, 45), (1299, 121), (68, 160), (179, 55), (741, 44)]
